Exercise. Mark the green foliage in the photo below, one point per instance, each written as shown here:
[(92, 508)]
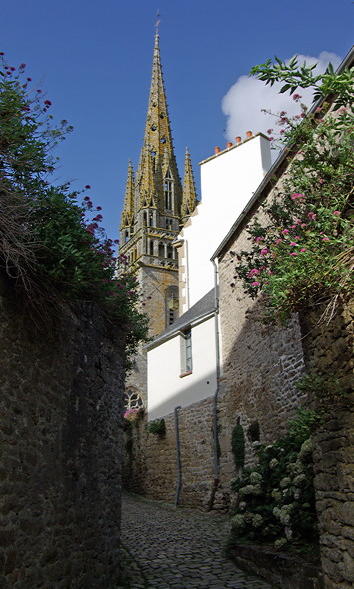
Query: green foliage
[(297, 75), (276, 499), (157, 427), (238, 445), (302, 253), (51, 246)]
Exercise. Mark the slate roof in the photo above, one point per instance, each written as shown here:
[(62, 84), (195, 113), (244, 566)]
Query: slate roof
[(202, 308)]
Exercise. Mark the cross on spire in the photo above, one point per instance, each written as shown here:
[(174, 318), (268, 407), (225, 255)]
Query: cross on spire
[(157, 22)]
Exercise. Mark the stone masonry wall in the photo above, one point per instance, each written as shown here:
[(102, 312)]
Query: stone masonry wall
[(329, 351), (151, 465), (60, 461), (261, 365)]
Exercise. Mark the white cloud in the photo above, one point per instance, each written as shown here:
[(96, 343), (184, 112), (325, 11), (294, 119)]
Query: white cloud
[(243, 102)]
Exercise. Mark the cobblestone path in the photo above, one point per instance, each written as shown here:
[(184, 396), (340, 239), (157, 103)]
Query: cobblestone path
[(179, 548)]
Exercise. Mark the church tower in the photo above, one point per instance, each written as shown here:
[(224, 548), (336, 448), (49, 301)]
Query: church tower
[(155, 207)]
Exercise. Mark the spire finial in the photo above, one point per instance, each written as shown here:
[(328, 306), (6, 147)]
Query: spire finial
[(157, 22)]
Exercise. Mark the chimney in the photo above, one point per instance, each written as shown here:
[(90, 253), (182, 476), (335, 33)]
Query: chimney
[(249, 134), (228, 144), (216, 149), (238, 139)]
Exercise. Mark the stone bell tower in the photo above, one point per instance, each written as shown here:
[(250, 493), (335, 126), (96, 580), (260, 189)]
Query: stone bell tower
[(155, 207)]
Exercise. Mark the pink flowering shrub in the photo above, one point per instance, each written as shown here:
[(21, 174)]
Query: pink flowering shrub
[(307, 239), (53, 247)]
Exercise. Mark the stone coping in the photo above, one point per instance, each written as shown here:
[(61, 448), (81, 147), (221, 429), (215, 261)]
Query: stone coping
[(283, 570)]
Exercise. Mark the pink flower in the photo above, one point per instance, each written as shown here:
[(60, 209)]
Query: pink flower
[(303, 224), (293, 226), (87, 186), (285, 231), (255, 283), (264, 251), (325, 238), (293, 243), (336, 212), (303, 249), (271, 138), (253, 272), (293, 254), (321, 180), (259, 239), (269, 131), (48, 102), (277, 241)]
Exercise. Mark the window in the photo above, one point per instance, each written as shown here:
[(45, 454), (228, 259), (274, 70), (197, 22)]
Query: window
[(132, 400), (168, 190), (186, 352)]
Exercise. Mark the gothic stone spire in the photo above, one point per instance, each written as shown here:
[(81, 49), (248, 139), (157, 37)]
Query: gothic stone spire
[(189, 197), (157, 153), (127, 217)]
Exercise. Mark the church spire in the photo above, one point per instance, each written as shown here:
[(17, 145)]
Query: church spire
[(189, 197), (128, 207), (157, 153)]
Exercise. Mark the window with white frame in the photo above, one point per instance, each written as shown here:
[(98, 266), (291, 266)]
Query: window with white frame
[(186, 351)]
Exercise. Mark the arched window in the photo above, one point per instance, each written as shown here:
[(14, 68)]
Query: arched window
[(161, 250), (145, 218), (132, 400), (169, 251), (151, 246), (168, 191)]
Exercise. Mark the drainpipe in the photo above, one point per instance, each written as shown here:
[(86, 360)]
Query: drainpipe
[(178, 457), (216, 468)]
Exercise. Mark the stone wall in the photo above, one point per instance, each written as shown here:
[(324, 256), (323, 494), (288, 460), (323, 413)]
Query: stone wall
[(151, 464), (260, 365), (329, 351), (60, 461)]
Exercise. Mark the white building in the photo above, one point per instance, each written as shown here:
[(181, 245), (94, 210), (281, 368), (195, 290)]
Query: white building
[(184, 361)]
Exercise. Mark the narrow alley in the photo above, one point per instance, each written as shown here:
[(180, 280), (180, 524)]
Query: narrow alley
[(178, 548)]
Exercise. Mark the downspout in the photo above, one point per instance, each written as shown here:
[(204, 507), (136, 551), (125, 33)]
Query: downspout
[(216, 468), (178, 457)]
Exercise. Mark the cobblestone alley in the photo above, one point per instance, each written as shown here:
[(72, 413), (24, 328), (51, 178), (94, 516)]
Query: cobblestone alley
[(179, 548)]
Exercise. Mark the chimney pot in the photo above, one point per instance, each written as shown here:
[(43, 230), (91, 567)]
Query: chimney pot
[(216, 149), (229, 144), (249, 134), (238, 139)]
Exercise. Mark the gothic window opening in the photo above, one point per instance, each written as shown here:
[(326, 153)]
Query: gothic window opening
[(132, 400), (168, 191), (151, 220), (161, 250), (145, 218), (151, 246), (126, 236), (169, 251)]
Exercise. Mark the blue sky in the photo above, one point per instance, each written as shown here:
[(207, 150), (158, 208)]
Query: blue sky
[(94, 59)]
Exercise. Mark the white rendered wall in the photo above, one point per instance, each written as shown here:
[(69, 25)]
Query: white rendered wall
[(166, 389), (228, 181)]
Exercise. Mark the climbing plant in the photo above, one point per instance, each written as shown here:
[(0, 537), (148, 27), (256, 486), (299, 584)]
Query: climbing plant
[(301, 241), (238, 445)]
